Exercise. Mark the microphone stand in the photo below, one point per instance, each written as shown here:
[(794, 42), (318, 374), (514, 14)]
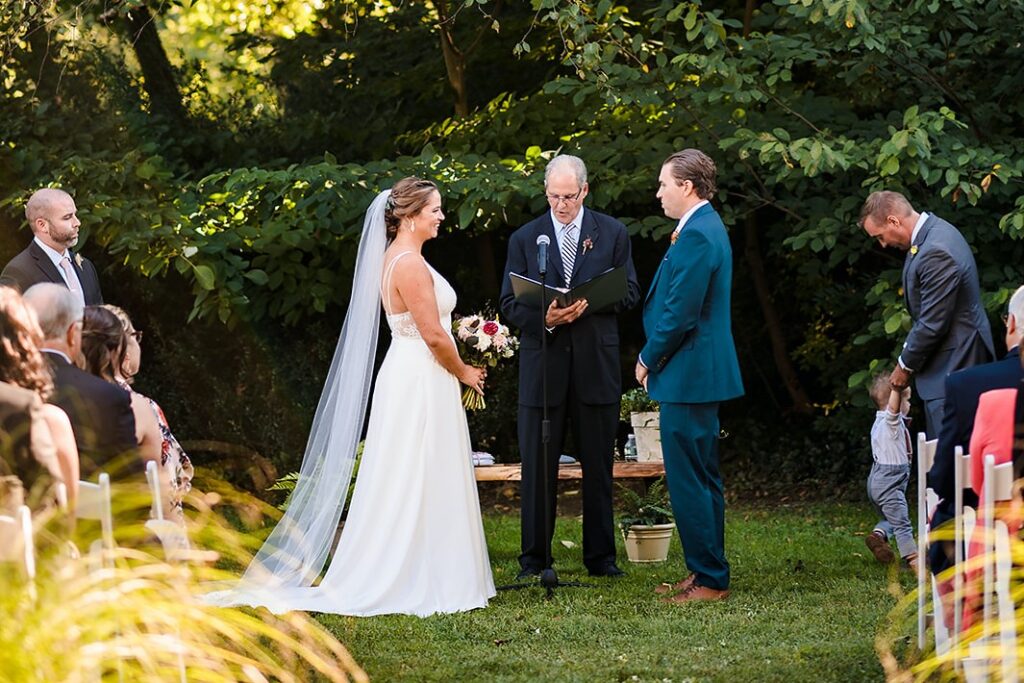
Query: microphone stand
[(548, 576)]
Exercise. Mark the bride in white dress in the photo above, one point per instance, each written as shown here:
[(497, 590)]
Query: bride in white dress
[(413, 541)]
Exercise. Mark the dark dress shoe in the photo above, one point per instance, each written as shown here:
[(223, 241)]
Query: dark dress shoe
[(610, 569), (527, 572)]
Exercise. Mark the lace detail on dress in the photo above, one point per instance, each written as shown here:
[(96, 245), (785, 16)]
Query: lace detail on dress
[(402, 325)]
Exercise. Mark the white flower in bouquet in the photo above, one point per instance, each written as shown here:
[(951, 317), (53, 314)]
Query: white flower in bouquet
[(482, 343)]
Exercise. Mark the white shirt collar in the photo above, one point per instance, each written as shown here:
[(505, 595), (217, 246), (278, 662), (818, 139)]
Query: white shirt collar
[(689, 214), (917, 226), (55, 352), (560, 226), (54, 255)]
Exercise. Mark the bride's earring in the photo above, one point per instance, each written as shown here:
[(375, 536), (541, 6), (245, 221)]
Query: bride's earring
[(412, 227)]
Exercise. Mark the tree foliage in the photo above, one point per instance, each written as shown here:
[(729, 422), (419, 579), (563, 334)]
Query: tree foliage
[(295, 117)]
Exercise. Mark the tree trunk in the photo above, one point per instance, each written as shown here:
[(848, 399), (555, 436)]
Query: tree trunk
[(158, 75), (755, 262), (454, 59), (752, 254), (40, 61)]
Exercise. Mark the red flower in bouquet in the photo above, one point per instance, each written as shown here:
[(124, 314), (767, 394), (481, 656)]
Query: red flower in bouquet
[(482, 342)]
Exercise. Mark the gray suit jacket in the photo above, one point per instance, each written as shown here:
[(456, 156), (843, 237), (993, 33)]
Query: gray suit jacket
[(941, 290)]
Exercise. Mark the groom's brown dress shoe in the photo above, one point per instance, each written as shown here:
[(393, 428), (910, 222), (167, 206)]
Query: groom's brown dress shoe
[(697, 593), (676, 587)]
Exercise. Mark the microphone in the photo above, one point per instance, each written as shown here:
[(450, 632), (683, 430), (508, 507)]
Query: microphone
[(542, 253)]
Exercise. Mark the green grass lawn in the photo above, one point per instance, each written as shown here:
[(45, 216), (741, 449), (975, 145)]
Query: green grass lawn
[(807, 602)]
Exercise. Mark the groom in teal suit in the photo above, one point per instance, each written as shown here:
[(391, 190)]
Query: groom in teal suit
[(689, 366)]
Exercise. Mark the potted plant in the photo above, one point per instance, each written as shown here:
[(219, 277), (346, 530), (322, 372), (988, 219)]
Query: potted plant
[(641, 411), (646, 523)]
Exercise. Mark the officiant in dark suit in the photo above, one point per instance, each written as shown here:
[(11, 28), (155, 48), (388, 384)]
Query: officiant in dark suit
[(583, 365), (53, 218), (950, 330)]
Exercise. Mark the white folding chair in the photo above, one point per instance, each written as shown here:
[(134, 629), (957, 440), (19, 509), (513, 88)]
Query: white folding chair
[(94, 503), (156, 510), (62, 497), (998, 486), (1004, 597), (171, 534), (926, 500), (964, 522), (16, 542)]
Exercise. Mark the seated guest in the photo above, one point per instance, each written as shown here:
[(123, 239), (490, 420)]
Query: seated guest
[(100, 413), (28, 460), (52, 216), (995, 425), (963, 388), (22, 365), (176, 464), (103, 351)]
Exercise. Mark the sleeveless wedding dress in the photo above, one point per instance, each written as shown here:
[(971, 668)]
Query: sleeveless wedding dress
[(413, 541)]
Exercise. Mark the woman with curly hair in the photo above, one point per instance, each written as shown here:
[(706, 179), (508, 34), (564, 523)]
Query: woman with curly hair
[(22, 364)]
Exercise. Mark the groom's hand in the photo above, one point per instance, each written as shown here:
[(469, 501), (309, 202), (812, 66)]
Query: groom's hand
[(641, 374), (557, 315)]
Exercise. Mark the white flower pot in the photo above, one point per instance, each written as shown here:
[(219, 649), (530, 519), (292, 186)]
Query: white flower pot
[(648, 543), (647, 428)]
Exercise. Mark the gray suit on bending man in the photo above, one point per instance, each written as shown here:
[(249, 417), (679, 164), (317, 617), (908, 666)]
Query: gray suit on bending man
[(940, 287)]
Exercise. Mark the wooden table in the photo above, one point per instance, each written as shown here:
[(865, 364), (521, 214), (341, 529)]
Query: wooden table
[(620, 470)]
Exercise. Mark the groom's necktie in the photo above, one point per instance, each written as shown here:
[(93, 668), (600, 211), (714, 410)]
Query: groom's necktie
[(570, 242)]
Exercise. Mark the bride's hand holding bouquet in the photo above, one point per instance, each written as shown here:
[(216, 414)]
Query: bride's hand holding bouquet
[(482, 342)]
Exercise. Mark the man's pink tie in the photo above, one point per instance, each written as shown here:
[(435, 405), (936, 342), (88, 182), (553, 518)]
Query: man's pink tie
[(72, 278)]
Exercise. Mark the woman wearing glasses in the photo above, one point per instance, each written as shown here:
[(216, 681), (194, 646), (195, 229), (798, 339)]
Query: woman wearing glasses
[(174, 462)]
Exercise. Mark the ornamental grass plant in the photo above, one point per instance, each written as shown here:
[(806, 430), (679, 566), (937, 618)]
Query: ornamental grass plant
[(127, 614)]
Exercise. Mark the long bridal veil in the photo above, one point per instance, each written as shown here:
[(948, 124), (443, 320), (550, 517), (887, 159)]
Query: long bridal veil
[(295, 552)]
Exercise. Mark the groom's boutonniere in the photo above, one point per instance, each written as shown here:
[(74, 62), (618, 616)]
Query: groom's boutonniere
[(588, 244), (78, 260), (675, 236), (913, 250)]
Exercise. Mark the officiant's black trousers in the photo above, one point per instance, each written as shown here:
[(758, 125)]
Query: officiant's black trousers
[(593, 434)]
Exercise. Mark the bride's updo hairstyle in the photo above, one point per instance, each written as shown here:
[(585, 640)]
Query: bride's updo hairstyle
[(408, 197)]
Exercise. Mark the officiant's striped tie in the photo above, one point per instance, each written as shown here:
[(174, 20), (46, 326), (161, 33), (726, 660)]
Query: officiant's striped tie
[(570, 241)]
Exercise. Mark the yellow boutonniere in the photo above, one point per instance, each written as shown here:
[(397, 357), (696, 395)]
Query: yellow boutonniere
[(913, 250), (675, 236)]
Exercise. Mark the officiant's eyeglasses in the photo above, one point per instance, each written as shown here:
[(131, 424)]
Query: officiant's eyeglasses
[(557, 199)]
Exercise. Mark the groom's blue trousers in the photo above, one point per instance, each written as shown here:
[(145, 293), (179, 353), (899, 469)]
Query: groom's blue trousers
[(689, 442)]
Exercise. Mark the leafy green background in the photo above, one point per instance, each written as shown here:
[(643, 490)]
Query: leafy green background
[(222, 154)]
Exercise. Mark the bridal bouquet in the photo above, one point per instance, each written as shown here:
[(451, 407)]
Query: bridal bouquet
[(482, 341)]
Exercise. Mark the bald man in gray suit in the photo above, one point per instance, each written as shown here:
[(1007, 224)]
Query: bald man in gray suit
[(941, 291)]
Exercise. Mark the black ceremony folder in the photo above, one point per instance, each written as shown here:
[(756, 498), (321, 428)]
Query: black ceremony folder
[(601, 292)]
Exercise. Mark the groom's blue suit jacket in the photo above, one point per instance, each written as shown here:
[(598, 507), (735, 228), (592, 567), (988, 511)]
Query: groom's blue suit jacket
[(687, 319)]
